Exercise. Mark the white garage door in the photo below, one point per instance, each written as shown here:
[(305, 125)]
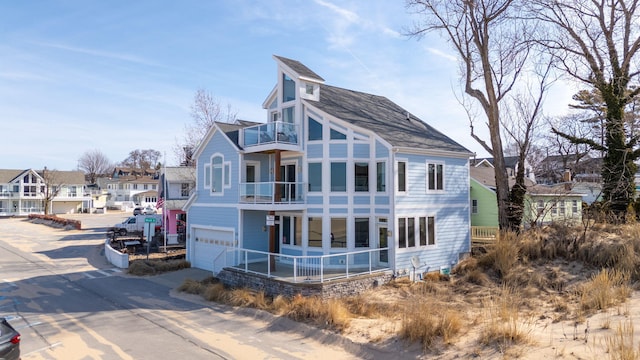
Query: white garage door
[(208, 245), (64, 207)]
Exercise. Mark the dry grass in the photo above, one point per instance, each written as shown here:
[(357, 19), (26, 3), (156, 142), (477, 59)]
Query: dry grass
[(426, 324), (605, 289), (153, 267), (503, 325), (557, 272), (620, 346)]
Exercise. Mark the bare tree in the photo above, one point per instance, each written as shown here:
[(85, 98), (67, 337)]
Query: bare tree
[(205, 111), (94, 163), (490, 65), (597, 42), (53, 183), (143, 159), (565, 154), (521, 123)]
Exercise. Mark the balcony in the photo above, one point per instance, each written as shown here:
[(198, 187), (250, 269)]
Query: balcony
[(264, 193), (271, 136)]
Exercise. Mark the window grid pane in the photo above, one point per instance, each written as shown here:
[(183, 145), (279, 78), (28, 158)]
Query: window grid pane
[(402, 233), (338, 232), (361, 176), (362, 232), (339, 176), (315, 232), (432, 230), (381, 182), (423, 231), (402, 176), (315, 177), (411, 232)]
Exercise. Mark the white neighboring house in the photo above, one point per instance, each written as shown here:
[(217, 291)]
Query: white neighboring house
[(128, 188), (22, 192)]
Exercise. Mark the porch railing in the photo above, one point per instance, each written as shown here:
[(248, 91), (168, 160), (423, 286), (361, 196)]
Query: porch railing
[(481, 235), (297, 269), (264, 192), (269, 133)]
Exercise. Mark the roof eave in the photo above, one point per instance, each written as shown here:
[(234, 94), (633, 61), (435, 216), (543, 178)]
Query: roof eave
[(435, 152)]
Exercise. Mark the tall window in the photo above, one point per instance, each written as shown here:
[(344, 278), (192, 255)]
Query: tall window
[(561, 203), (540, 204), (402, 233), (402, 176), (474, 206), (361, 172), (422, 223), (315, 177), (207, 176), (381, 176), (338, 232), (288, 114), (574, 206), (297, 231), (288, 88), (227, 175), (362, 232), (431, 228), (216, 179), (407, 236), (435, 176), (338, 176), (315, 130), (315, 232), (411, 232)]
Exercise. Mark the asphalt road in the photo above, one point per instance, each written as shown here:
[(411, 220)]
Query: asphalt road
[(68, 302)]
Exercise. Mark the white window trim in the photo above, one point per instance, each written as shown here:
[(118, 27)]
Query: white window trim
[(386, 177), (207, 169), (226, 174), (223, 165), (436, 190), (406, 177), (353, 165), (416, 232)]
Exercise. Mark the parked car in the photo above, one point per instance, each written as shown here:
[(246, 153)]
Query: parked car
[(9, 341), (139, 210), (148, 211)]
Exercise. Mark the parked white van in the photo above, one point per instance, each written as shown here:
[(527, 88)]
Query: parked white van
[(136, 223)]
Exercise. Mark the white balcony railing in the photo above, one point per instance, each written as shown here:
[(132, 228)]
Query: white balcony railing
[(264, 192), (271, 133), (297, 269)]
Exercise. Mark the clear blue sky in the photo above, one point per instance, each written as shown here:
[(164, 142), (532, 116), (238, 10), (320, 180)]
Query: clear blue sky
[(121, 75)]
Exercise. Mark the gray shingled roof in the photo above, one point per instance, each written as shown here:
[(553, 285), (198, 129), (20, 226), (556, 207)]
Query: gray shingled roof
[(384, 117), (299, 68), (487, 177), (62, 177)]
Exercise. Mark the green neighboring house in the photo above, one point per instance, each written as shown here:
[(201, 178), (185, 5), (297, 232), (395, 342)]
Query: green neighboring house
[(543, 203), (484, 206)]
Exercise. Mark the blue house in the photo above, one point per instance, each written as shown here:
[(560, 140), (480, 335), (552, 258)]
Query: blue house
[(335, 183)]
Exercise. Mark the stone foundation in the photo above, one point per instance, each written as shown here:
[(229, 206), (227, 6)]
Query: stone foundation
[(272, 287)]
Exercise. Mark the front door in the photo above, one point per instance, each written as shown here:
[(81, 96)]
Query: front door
[(383, 243)]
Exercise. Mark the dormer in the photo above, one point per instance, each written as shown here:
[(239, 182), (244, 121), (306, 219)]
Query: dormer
[(296, 80)]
